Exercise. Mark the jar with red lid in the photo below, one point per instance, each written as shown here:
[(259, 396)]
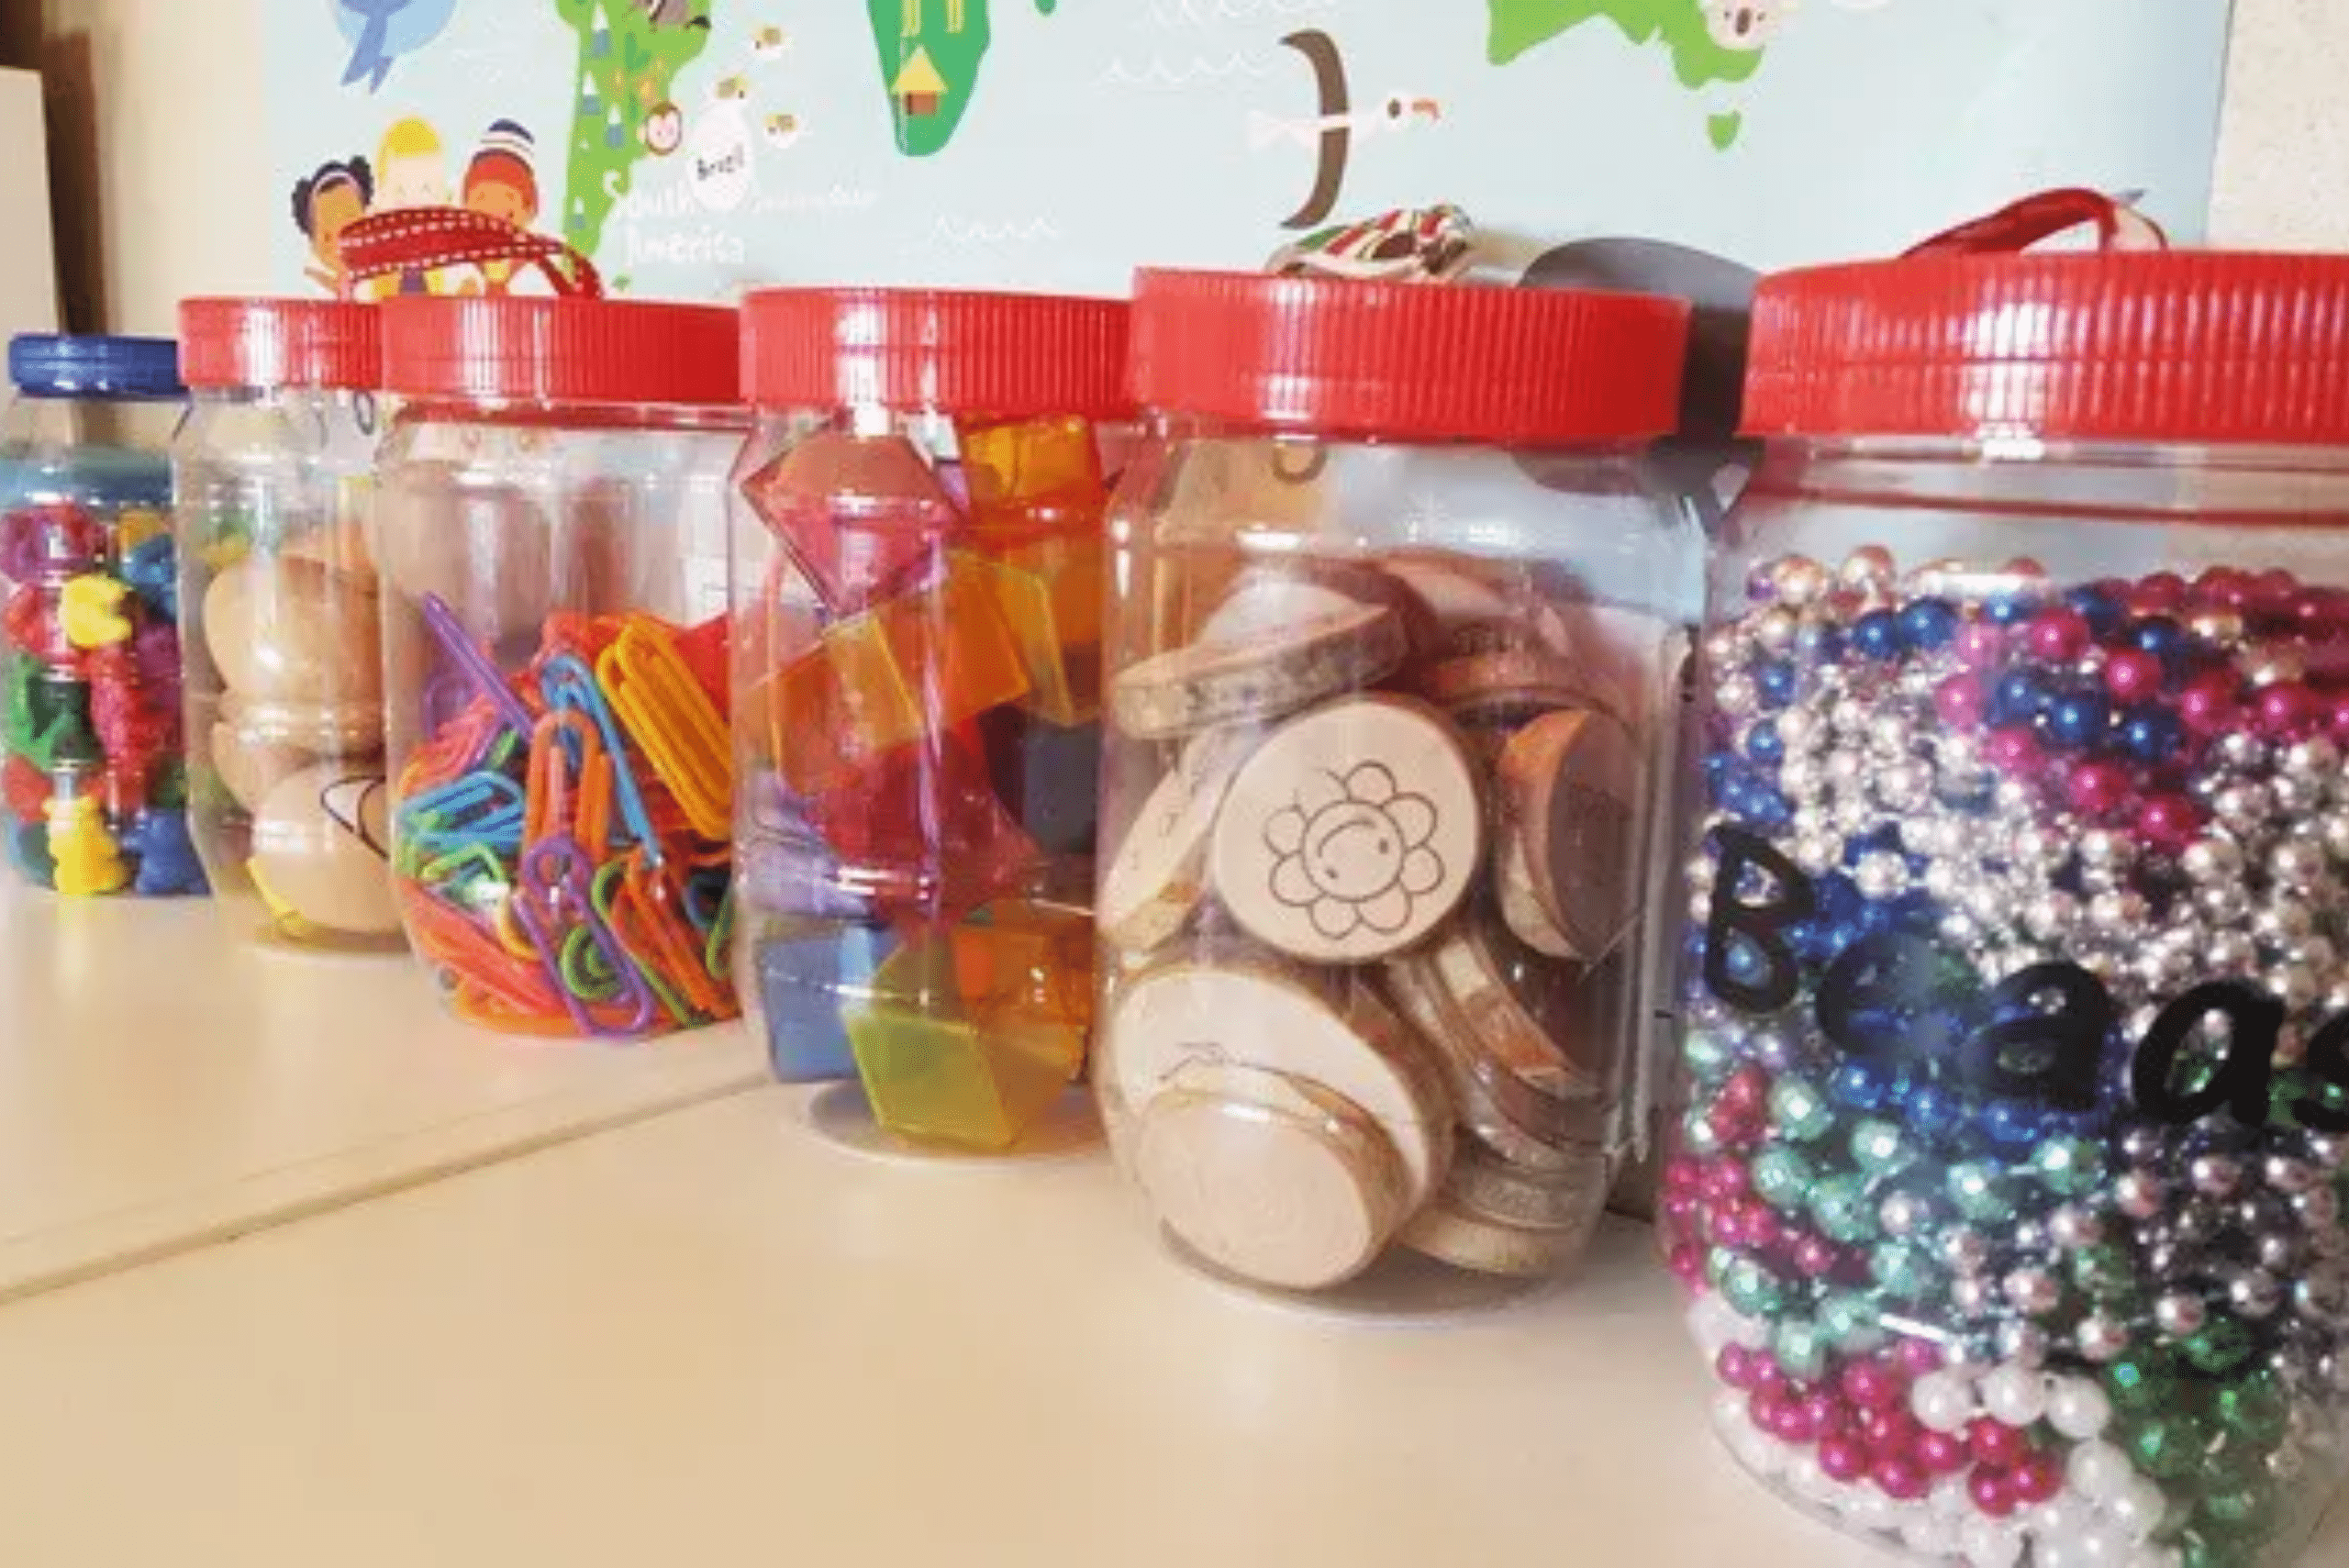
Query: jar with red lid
[(2016, 1019), (552, 547), (1394, 652), (274, 476), (918, 591)]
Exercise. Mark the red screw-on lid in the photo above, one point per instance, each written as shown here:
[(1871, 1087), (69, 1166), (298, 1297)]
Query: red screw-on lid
[(280, 342), (1961, 338), (1507, 366), (560, 351), (1008, 355)]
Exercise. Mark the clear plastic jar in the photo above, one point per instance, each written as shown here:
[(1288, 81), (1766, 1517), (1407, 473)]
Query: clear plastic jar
[(550, 503), (91, 762), (1395, 655), (275, 475), (2012, 1177), (917, 560)]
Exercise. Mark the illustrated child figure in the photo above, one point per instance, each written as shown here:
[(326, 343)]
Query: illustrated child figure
[(502, 182), (324, 206), (411, 171)]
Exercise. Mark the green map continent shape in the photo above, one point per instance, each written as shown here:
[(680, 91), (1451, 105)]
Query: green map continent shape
[(635, 71), (956, 55), (1679, 25)]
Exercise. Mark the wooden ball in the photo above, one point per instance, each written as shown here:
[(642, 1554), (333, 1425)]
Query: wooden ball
[(294, 632), (321, 846), (250, 766)]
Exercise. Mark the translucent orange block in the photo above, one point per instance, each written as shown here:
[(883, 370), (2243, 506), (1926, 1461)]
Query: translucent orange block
[(953, 646), (1020, 961), (973, 1034), (1050, 591), (836, 706), (858, 513), (918, 664), (1031, 474)]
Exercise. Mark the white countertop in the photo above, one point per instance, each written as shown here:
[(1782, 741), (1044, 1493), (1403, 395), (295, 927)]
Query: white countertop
[(714, 1339), (165, 1079)]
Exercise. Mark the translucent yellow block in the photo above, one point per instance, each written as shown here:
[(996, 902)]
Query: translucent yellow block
[(1050, 590), (973, 1034), (952, 645), (1031, 474)]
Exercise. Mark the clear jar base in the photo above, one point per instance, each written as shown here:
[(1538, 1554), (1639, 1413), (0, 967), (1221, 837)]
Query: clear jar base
[(269, 937), (842, 1116), (1402, 1290)]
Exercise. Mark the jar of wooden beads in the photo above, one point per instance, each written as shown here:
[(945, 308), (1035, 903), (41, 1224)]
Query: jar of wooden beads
[(273, 469), (552, 550), (918, 585), (2017, 1006), (1395, 654), (91, 762)]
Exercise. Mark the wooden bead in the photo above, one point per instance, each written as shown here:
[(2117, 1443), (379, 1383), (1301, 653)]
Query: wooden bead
[(295, 633), (1352, 833)]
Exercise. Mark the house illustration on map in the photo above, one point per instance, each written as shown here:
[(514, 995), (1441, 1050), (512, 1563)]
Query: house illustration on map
[(918, 86), (929, 55)]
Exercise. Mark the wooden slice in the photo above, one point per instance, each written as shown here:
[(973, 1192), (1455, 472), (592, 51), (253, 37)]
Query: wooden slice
[(1208, 684), (1456, 590), (1531, 679), (1293, 1201), (1264, 602), (1515, 1007), (1352, 833), (1513, 895), (1515, 1121), (1452, 1235), (1150, 887), (1486, 1186), (1566, 827), (1174, 1019)]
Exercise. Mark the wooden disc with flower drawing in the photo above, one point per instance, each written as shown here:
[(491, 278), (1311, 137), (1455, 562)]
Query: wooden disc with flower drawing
[(1352, 833)]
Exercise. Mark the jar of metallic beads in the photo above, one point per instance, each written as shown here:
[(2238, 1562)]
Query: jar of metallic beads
[(275, 467), (1395, 654), (2017, 1008), (90, 763), (551, 523), (918, 585)]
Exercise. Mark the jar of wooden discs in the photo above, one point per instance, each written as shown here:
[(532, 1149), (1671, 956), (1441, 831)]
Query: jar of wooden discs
[(1395, 649)]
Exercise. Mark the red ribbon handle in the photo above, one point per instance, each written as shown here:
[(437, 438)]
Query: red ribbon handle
[(2018, 226), (387, 244)]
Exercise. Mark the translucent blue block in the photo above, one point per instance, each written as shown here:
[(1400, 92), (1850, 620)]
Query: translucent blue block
[(1049, 776), (811, 977)]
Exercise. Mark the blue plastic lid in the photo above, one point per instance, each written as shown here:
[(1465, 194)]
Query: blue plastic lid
[(49, 366)]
